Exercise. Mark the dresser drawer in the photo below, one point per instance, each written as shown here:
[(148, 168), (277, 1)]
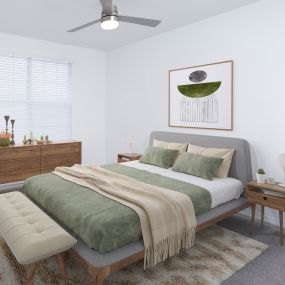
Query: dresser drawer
[(8, 177), (15, 153), (19, 163), (266, 200), (60, 149), (19, 169), (49, 163)]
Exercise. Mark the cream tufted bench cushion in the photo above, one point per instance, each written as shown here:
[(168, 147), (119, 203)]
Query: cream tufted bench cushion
[(30, 233)]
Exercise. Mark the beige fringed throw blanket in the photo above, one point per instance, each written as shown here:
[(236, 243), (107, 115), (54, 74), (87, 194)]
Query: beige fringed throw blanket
[(167, 218)]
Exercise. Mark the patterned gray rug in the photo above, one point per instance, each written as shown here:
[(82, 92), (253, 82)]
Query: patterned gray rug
[(217, 255)]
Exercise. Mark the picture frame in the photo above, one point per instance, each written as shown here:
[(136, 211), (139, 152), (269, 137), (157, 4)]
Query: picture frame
[(205, 103)]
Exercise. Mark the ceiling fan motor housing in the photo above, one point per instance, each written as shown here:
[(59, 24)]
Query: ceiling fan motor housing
[(113, 13), (109, 18), (112, 18)]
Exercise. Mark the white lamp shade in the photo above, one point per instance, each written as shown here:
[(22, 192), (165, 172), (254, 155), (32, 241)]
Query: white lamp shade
[(281, 160), (130, 140)]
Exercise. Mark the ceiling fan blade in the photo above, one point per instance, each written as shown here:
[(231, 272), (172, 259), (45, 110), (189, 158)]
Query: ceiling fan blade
[(84, 26), (139, 21), (107, 6)]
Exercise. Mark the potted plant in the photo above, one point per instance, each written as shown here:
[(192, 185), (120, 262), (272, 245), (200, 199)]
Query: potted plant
[(41, 140), (260, 175), (5, 138)]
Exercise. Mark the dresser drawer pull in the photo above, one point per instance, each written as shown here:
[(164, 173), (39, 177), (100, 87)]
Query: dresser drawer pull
[(264, 198)]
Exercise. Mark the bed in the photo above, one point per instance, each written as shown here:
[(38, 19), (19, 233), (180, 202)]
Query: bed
[(226, 200)]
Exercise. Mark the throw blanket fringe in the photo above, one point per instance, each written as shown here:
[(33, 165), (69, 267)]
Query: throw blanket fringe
[(169, 247), (167, 217)]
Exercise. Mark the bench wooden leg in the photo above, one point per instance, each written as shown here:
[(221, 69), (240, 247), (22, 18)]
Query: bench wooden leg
[(61, 264)]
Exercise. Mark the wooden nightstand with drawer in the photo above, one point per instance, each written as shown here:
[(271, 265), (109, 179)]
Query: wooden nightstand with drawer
[(266, 195), (124, 157)]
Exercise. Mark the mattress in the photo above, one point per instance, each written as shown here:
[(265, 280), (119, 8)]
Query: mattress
[(222, 190)]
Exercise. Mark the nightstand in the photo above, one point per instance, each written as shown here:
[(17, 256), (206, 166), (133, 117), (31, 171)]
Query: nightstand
[(266, 195), (124, 157)]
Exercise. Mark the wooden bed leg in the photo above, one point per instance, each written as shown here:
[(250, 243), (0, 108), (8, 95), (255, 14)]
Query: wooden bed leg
[(61, 264), (98, 275), (93, 273), (103, 273)]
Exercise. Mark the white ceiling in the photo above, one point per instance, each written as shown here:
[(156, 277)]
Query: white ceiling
[(50, 19)]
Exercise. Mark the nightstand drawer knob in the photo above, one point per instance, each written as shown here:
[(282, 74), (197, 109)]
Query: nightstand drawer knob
[(264, 198)]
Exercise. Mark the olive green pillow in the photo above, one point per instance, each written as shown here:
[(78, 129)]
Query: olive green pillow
[(159, 156), (197, 165)]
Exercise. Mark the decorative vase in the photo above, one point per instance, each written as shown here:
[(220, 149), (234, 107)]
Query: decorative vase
[(7, 121), (260, 178), (12, 135), (4, 142)]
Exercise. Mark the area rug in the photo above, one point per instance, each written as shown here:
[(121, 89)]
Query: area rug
[(218, 253)]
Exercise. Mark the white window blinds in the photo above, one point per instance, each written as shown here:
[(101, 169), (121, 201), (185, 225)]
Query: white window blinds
[(37, 94)]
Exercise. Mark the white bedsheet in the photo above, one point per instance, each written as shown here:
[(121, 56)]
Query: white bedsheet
[(222, 190)]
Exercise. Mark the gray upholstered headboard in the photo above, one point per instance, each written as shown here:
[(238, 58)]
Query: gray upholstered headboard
[(241, 163)]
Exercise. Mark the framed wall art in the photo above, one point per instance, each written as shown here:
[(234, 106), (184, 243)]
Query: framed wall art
[(202, 96)]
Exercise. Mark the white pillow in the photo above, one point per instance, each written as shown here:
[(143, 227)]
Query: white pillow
[(226, 154)]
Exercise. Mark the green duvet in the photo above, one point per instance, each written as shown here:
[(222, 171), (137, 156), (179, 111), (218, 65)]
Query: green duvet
[(103, 224)]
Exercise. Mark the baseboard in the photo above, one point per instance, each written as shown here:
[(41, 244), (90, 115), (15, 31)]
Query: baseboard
[(8, 187)]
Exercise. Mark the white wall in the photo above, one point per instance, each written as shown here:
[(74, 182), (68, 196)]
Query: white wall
[(137, 81), (89, 88)]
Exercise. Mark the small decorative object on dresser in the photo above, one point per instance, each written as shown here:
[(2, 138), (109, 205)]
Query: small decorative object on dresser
[(282, 164), (260, 175), (5, 139), (25, 141), (41, 140), (47, 140), (124, 157), (7, 121), (31, 140), (266, 195), (12, 136)]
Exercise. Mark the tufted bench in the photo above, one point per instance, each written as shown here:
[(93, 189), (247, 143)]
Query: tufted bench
[(31, 235)]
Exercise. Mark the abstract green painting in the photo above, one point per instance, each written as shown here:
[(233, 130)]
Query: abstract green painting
[(201, 96)]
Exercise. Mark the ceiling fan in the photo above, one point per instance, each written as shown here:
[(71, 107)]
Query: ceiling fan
[(110, 18)]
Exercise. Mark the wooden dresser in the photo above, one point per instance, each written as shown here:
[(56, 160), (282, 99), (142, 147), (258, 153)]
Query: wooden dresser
[(20, 162)]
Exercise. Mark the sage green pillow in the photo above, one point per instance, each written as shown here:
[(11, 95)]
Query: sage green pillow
[(197, 165), (159, 156)]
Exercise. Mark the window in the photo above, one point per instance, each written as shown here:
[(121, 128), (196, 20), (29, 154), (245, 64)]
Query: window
[(37, 94)]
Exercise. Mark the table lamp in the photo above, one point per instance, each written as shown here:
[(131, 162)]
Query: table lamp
[(131, 142), (282, 164)]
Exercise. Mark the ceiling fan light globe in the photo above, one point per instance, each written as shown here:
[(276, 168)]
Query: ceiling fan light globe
[(109, 23)]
